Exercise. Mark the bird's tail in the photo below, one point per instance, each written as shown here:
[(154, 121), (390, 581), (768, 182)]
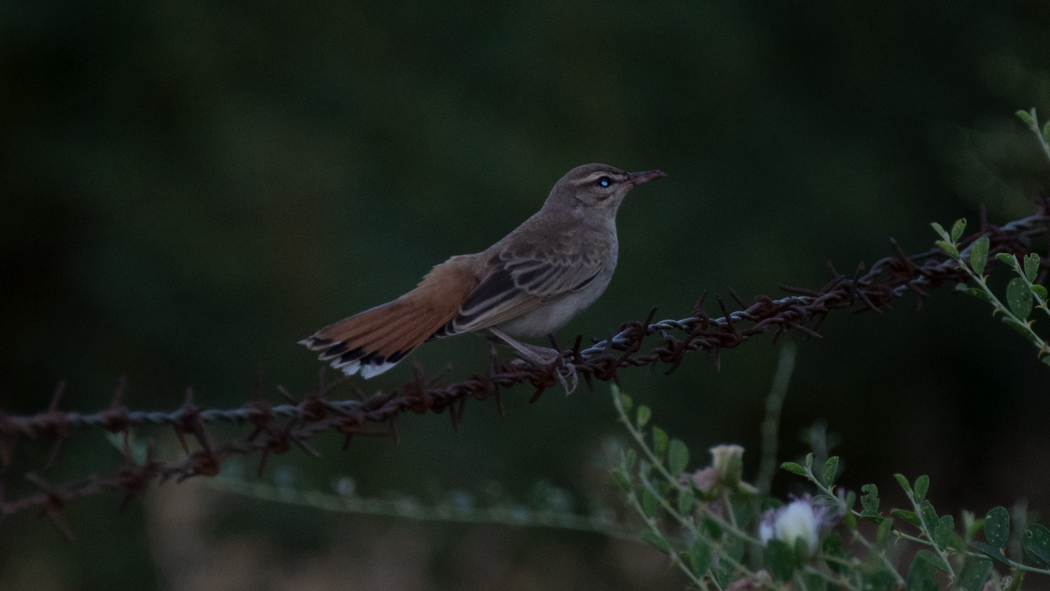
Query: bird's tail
[(375, 340)]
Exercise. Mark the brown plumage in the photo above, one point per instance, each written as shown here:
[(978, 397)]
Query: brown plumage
[(529, 284), (376, 339)]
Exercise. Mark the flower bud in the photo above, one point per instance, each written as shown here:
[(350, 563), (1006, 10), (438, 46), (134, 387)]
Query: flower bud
[(724, 474), (728, 462)]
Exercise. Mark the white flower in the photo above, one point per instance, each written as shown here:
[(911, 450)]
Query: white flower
[(798, 520)]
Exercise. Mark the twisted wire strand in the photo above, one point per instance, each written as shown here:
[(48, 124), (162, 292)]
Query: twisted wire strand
[(376, 414)]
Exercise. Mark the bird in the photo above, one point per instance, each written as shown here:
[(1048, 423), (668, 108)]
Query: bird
[(528, 284)]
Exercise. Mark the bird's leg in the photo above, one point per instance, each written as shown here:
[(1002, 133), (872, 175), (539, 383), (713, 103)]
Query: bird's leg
[(493, 353), (541, 356), (532, 353)]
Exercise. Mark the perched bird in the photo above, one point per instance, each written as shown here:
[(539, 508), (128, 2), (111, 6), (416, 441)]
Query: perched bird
[(528, 284)]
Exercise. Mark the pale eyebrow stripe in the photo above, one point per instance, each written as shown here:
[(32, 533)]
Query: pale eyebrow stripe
[(597, 175)]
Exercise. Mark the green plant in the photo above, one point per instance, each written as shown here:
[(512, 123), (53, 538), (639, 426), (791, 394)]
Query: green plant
[(706, 523), (1022, 293)]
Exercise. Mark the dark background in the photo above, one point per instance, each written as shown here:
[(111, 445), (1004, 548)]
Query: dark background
[(187, 189)]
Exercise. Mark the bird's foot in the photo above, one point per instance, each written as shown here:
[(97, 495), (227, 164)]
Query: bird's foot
[(543, 357), (564, 370)]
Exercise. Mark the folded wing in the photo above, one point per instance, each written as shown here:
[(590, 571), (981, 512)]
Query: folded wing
[(517, 285)]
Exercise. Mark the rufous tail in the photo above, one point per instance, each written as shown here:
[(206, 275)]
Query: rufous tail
[(375, 340)]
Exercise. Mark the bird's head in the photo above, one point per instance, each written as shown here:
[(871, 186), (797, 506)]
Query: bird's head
[(597, 187)]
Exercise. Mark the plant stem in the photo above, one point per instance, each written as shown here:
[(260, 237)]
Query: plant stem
[(830, 578), (881, 554), (393, 508), (651, 523), (774, 403), (1034, 126)]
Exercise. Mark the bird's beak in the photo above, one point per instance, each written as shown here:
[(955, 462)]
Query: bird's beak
[(637, 178)]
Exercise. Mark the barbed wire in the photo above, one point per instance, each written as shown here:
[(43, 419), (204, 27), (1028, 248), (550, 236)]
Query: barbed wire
[(377, 414)]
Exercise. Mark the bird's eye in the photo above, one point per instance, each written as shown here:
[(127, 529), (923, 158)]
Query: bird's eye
[(604, 181)]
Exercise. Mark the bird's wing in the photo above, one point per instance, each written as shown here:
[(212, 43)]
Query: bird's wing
[(521, 282)]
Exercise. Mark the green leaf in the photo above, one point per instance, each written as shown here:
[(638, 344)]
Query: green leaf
[(920, 575), (907, 516), (992, 551), (1036, 543), (933, 560), (622, 479), (940, 230), (948, 249), (664, 491), (944, 531), (976, 292), (922, 484), (979, 255), (814, 582), (1019, 298), (1040, 291), (713, 529), (734, 548), (870, 501), (975, 574), (849, 519), (997, 527), (663, 488), (724, 573), (832, 547), (1031, 266), (780, 559), (656, 541), (794, 468), (1025, 116), (882, 535), (970, 524), (1046, 132), (929, 516), (903, 482), (880, 580), (1009, 259), (700, 557), (686, 498), (649, 503), (630, 458), (740, 505), (643, 416), (809, 461), (958, 229), (659, 442), (1020, 327), (677, 457), (831, 469)]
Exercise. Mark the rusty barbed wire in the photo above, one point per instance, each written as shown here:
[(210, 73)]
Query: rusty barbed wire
[(377, 414)]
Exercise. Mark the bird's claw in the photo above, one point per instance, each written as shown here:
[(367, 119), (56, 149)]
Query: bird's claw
[(542, 357), (561, 367), (570, 369)]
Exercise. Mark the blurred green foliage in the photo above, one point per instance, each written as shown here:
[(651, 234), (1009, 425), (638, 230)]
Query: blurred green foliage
[(187, 189)]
